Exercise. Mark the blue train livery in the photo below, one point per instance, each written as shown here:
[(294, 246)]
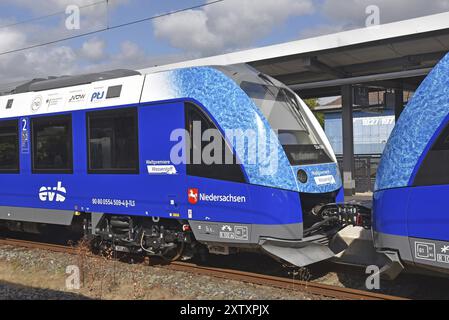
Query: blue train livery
[(195, 160), (411, 209)]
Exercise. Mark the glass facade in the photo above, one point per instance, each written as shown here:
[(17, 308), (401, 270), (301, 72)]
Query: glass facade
[(371, 132)]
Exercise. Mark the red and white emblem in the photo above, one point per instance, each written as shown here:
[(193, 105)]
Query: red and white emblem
[(193, 196)]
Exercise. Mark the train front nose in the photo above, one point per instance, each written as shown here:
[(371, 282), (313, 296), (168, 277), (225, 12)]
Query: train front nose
[(319, 182), (311, 241)]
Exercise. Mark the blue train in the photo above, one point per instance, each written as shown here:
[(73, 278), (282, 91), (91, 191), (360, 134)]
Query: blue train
[(176, 163), (411, 207)]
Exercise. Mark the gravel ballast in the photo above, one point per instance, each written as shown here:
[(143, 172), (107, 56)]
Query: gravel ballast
[(40, 274)]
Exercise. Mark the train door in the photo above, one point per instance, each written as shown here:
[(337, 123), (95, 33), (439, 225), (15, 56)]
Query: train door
[(216, 188), (160, 127)]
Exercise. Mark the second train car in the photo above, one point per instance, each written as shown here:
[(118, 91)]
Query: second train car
[(411, 208)]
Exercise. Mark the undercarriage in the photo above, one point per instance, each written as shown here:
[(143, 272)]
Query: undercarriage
[(165, 238)]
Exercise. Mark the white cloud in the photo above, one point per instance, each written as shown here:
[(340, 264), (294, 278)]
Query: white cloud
[(131, 56), (188, 31), (64, 60), (37, 63), (34, 63), (93, 49), (51, 61), (48, 60), (11, 39), (229, 25)]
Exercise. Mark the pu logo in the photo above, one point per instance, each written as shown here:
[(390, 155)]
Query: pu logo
[(97, 96), (193, 196), (52, 194)]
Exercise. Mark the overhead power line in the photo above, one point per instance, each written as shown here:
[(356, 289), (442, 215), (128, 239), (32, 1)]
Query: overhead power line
[(55, 14), (108, 28)]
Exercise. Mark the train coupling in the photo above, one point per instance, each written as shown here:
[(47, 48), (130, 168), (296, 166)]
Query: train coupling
[(346, 214)]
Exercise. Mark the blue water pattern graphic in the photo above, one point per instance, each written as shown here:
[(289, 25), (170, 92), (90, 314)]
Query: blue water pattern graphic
[(232, 109), (320, 170), (417, 125)]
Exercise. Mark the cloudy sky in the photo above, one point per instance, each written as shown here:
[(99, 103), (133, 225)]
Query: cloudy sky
[(217, 28)]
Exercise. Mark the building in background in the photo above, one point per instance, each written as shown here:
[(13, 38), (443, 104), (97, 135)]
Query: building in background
[(373, 124)]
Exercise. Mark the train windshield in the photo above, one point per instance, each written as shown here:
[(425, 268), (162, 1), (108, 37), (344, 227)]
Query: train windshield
[(282, 110)]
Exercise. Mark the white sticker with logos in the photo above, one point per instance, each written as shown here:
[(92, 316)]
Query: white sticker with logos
[(425, 251), (162, 170), (323, 180), (234, 233)]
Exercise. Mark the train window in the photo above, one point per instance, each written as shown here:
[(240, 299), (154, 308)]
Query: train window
[(113, 141), (52, 145), (435, 169), (197, 166), (283, 112), (9, 147)]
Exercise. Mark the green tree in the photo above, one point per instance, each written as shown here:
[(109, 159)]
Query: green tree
[(312, 104)]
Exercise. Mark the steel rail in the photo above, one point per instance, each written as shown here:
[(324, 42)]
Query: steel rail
[(283, 283), (230, 274)]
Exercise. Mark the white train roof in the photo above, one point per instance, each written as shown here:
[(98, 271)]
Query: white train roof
[(97, 94)]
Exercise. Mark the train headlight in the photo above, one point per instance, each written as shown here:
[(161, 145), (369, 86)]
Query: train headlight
[(302, 176)]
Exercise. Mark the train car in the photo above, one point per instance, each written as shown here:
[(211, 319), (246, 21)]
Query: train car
[(137, 162), (411, 208)]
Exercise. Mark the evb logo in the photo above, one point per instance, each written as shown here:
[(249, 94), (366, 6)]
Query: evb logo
[(52, 194)]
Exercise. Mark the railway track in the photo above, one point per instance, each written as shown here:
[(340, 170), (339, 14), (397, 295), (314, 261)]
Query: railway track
[(231, 274)]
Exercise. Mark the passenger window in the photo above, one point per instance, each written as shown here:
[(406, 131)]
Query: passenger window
[(9, 147), (196, 165), (113, 142), (52, 144), (435, 167)]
